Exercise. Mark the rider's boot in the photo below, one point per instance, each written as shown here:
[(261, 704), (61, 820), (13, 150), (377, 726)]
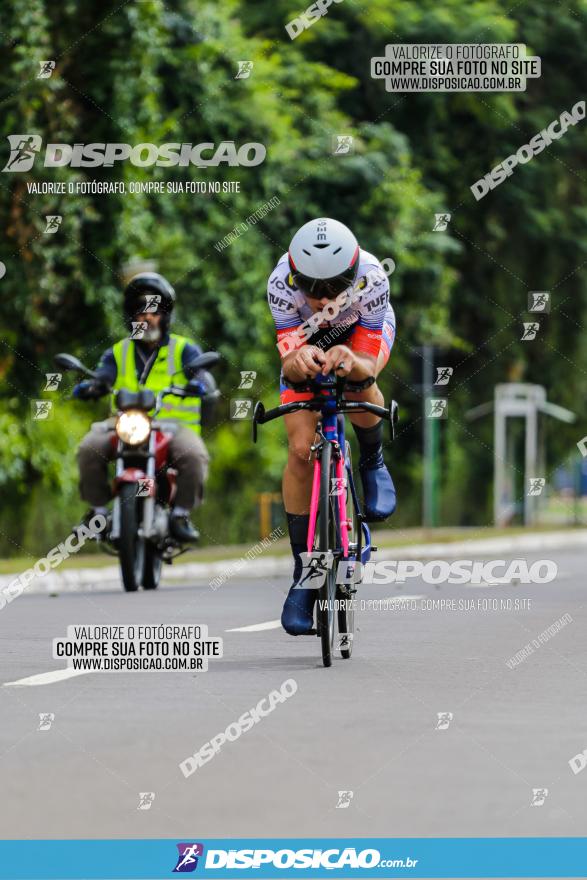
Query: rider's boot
[(181, 528), (297, 617), (378, 488)]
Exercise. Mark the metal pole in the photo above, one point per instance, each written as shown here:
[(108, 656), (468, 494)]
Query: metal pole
[(530, 463), (499, 461), (430, 445)]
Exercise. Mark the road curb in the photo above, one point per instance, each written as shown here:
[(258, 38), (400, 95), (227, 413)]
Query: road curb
[(223, 572)]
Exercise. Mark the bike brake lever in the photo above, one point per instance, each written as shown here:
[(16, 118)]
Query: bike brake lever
[(393, 417), (258, 414)]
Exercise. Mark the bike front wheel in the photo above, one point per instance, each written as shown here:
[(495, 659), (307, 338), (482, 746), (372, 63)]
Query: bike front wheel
[(345, 594), (326, 544)]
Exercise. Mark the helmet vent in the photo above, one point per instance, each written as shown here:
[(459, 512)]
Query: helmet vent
[(307, 252), (337, 250), (321, 246)]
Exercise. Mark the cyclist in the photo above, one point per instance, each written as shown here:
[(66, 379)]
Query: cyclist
[(151, 358), (330, 303)]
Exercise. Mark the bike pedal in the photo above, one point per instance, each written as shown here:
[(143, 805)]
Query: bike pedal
[(374, 549)]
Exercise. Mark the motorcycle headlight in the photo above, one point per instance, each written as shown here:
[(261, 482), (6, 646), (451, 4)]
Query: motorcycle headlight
[(133, 427)]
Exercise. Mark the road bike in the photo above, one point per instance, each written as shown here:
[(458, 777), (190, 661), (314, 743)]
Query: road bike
[(338, 534)]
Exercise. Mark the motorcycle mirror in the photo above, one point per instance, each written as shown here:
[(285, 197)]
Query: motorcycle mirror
[(202, 362), (69, 362)]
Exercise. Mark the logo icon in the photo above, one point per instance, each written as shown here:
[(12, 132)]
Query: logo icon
[(46, 719), (145, 487), (247, 378), (42, 410), (344, 799), (444, 719), (23, 149), (536, 485), (437, 408), (138, 329), (441, 222), (53, 222), (443, 375), (337, 486), (539, 301), (539, 795), (47, 68), (342, 144), (530, 331), (53, 380), (241, 409), (188, 855), (152, 301), (146, 799), (244, 69), (316, 565)]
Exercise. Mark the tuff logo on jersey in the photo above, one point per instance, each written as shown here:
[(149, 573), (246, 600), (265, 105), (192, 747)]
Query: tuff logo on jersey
[(375, 303), (280, 302)]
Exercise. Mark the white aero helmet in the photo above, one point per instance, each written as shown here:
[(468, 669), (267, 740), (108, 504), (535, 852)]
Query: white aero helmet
[(323, 258)]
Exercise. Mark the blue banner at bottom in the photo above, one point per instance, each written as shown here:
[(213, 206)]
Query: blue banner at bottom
[(377, 857)]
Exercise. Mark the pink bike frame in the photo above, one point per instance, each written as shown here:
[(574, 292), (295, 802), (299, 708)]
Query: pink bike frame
[(341, 495)]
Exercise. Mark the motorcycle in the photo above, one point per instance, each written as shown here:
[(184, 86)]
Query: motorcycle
[(144, 484)]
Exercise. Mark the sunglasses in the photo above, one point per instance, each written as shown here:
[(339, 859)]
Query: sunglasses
[(324, 288)]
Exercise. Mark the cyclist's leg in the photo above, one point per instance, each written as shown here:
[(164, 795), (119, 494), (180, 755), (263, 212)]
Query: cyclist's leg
[(298, 610), (297, 477), (378, 488)]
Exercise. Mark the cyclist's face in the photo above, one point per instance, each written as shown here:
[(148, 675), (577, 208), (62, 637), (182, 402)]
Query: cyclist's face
[(317, 304)]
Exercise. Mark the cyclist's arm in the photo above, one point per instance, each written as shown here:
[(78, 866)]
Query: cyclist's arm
[(303, 363), (358, 365)]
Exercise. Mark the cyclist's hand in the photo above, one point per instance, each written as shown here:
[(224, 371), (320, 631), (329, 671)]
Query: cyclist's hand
[(306, 363), (339, 355)]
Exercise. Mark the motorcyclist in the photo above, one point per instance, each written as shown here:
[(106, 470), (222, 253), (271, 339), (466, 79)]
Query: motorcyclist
[(150, 357)]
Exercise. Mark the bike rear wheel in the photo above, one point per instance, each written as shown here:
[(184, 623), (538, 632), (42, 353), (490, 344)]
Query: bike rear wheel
[(326, 544)]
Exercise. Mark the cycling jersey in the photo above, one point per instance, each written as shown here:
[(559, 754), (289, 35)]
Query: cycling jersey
[(364, 325)]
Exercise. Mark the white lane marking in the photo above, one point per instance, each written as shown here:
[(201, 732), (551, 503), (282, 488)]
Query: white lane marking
[(47, 677), (255, 627)]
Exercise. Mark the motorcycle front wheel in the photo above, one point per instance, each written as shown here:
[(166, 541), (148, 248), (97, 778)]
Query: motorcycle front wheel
[(131, 548)]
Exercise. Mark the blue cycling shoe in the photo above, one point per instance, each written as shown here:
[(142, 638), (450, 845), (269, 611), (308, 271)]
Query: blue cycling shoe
[(297, 617), (378, 490)]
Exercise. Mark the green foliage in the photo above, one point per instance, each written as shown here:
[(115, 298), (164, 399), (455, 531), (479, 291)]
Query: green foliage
[(155, 72)]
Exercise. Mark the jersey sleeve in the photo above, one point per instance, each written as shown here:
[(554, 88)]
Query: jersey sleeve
[(366, 337), (284, 312)]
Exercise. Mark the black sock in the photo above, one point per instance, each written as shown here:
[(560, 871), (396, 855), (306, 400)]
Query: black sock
[(297, 524), (370, 443)]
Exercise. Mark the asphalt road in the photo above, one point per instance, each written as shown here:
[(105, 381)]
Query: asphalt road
[(368, 725)]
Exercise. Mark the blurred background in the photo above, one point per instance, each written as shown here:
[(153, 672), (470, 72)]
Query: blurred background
[(159, 72)]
